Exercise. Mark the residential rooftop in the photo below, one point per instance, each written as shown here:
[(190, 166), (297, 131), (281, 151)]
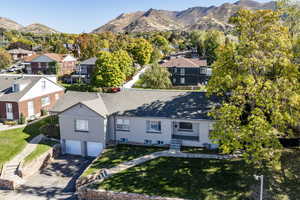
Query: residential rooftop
[(143, 103), (184, 62)]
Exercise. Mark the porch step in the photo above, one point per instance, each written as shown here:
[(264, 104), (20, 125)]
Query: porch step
[(175, 144)]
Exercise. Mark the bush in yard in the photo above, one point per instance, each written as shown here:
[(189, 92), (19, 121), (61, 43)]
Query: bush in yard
[(51, 128), (44, 112), (22, 119), (10, 123)]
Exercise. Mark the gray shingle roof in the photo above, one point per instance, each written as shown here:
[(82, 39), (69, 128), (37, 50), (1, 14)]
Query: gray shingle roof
[(90, 99), (90, 61), (142, 103), (8, 81), (159, 103)]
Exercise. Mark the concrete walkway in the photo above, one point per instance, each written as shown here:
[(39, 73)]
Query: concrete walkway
[(167, 153), (10, 168), (134, 79)]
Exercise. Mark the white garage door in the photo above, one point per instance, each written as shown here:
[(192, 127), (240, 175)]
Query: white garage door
[(73, 147), (94, 149)]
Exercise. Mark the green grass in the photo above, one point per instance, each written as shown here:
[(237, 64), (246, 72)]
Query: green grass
[(206, 179), (119, 154), (41, 148), (13, 141)]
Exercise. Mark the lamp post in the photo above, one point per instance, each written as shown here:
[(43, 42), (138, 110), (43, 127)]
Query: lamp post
[(261, 178)]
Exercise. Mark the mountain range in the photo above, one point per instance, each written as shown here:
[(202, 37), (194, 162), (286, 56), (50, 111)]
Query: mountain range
[(213, 17), (36, 28)]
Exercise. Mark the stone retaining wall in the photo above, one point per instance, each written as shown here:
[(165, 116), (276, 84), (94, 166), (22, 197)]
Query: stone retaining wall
[(89, 194), (39, 163)]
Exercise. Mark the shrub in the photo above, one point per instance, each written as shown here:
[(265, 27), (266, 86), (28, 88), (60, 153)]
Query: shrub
[(22, 119), (44, 112), (10, 123)]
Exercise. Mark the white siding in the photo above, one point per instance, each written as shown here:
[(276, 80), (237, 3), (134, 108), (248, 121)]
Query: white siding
[(138, 132), (37, 89)]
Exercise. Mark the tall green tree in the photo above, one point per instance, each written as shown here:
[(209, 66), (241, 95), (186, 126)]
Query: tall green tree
[(124, 61), (107, 72), (290, 11), (5, 59), (141, 51), (156, 77), (259, 85)]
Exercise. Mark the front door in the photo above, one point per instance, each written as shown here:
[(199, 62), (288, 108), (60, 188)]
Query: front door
[(9, 111), (30, 109)]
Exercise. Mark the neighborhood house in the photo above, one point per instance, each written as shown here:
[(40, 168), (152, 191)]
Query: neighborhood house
[(28, 95), (50, 63), (90, 121), (187, 71), (19, 54)]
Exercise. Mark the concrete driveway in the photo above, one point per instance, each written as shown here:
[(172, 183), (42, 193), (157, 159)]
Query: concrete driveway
[(56, 181)]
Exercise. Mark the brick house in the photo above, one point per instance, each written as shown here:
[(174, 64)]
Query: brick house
[(49, 62), (28, 95), (187, 71)]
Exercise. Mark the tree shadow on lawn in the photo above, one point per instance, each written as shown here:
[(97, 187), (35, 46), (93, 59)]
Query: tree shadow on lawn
[(186, 178), (286, 181)]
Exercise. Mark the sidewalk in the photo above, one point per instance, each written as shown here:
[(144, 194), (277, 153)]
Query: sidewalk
[(10, 168), (134, 79)]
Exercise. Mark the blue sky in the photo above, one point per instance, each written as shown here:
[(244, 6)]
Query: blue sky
[(76, 16)]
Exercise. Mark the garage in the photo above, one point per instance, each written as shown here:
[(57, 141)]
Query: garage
[(73, 147), (94, 149)]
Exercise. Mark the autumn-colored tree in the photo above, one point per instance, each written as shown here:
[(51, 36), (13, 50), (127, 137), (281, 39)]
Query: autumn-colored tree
[(124, 61), (141, 51), (5, 59), (258, 83), (107, 72)]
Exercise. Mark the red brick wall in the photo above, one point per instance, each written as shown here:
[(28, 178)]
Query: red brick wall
[(68, 68), (37, 103)]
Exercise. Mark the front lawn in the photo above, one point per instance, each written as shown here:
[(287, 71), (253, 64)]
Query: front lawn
[(13, 141), (207, 179), (41, 148), (113, 156)]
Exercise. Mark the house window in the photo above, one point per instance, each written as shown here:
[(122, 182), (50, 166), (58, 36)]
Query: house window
[(56, 97), (174, 80), (148, 142), (45, 101), (182, 71), (82, 125), (123, 124), (44, 84), (185, 126), (182, 80), (9, 108), (154, 126), (160, 142), (202, 70), (175, 70), (123, 140)]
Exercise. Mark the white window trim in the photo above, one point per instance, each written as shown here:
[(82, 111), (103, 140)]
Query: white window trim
[(123, 125), (149, 128), (45, 103), (84, 127)]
